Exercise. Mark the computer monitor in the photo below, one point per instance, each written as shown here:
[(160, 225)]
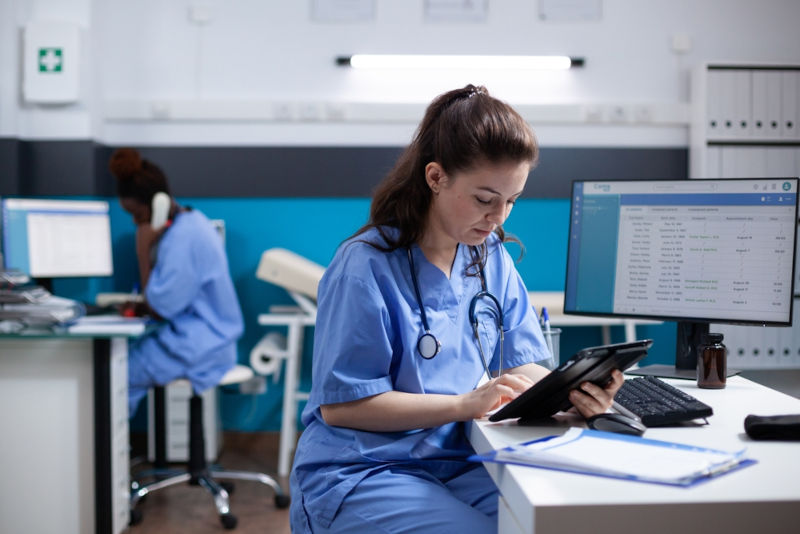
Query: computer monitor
[(691, 251), (56, 238)]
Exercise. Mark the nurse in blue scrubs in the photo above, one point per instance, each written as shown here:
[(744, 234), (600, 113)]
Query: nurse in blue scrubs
[(398, 371), (185, 280)]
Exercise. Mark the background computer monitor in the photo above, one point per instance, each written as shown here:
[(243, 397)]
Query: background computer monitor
[(690, 251), (48, 238)]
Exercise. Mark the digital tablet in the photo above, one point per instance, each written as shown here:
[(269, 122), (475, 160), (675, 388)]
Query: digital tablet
[(551, 394)]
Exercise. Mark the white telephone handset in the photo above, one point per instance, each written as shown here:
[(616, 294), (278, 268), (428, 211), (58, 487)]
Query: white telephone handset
[(159, 210)]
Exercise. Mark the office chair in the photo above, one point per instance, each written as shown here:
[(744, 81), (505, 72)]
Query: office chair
[(197, 471)]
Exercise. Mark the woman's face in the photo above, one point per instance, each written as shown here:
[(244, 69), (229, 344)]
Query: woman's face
[(468, 205), (140, 211)]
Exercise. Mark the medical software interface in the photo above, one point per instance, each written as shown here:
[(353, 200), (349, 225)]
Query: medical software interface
[(54, 238), (704, 249)]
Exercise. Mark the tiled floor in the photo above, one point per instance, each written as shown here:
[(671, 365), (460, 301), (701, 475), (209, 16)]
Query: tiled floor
[(190, 509)]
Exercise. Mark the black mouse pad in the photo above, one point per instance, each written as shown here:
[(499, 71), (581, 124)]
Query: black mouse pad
[(551, 394)]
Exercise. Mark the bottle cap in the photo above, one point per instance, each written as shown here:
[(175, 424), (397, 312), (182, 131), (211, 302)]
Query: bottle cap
[(713, 337)]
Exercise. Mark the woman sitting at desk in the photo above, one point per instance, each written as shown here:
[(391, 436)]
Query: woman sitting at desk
[(409, 324), (184, 278)]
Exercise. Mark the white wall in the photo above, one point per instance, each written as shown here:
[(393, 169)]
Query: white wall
[(262, 72)]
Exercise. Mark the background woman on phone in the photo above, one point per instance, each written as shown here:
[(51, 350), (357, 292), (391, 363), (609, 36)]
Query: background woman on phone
[(185, 281)]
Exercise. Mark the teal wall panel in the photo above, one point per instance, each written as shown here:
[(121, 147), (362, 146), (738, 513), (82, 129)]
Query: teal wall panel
[(314, 228)]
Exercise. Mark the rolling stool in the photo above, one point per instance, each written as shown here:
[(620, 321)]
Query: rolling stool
[(198, 472)]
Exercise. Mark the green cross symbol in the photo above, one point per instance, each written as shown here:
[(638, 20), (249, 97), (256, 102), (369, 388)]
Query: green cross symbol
[(51, 59)]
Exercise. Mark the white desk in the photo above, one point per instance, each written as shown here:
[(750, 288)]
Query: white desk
[(64, 433), (763, 498)]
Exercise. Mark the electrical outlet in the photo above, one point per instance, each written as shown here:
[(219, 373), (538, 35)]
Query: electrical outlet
[(255, 386), (283, 111), (594, 114), (617, 113), (643, 113), (310, 111), (335, 111)]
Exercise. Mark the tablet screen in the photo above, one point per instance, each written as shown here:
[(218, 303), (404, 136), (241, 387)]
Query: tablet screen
[(551, 394)]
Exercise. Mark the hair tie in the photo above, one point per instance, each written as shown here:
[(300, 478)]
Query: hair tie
[(476, 91)]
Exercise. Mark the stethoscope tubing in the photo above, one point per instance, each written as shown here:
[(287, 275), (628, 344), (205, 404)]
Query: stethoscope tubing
[(428, 346)]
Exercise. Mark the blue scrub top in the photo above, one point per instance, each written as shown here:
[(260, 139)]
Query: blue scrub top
[(190, 286), (367, 327)]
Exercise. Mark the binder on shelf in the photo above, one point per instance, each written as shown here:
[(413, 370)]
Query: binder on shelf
[(790, 104), (760, 103), (774, 111), (785, 342), (770, 347), (754, 348), (714, 105), (743, 100), (743, 161), (608, 454), (780, 161), (727, 102), (766, 104), (713, 162)]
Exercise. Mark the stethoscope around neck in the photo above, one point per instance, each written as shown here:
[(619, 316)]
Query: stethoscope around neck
[(428, 346)]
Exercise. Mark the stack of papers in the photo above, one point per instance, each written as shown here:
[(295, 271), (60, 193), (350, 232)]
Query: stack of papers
[(621, 456), (108, 324), (45, 311)]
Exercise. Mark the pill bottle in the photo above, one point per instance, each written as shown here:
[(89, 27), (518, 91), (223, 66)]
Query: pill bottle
[(712, 362)]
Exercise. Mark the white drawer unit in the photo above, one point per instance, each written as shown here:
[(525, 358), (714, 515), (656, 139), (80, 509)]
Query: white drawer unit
[(176, 408)]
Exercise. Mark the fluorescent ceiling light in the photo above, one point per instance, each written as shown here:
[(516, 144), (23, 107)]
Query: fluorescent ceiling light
[(396, 61)]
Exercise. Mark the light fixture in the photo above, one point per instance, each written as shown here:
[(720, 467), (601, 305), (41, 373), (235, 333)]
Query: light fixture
[(481, 62)]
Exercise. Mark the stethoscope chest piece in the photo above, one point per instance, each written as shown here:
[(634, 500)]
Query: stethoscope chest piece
[(428, 346)]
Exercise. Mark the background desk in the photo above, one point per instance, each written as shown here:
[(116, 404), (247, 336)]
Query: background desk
[(554, 302), (64, 433), (762, 498)]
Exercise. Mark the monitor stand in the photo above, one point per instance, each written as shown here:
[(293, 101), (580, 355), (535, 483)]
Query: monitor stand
[(689, 338)]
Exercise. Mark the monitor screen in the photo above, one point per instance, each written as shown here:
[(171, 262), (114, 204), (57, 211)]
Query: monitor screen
[(693, 251), (57, 238)]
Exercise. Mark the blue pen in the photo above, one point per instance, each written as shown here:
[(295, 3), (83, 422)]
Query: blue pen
[(548, 335)]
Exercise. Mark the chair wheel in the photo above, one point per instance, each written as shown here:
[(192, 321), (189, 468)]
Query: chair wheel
[(281, 501), (228, 521), (136, 517), (228, 486)]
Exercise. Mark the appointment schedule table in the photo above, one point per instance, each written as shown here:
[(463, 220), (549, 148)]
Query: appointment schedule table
[(762, 498)]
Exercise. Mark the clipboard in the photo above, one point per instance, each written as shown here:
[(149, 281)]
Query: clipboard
[(593, 452), (551, 394)]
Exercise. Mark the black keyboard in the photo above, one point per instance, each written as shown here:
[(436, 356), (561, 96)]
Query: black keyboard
[(657, 403)]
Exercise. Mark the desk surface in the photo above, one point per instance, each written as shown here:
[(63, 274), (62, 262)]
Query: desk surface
[(96, 326), (554, 302), (549, 501)]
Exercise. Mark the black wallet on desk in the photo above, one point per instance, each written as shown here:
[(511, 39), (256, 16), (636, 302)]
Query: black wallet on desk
[(777, 427)]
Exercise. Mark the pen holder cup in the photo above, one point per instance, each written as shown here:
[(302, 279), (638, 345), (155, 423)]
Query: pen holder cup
[(555, 336)]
